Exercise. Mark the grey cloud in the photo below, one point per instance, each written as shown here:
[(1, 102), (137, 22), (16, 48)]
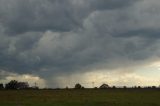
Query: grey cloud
[(146, 33), (111, 4), (55, 36), (20, 16)]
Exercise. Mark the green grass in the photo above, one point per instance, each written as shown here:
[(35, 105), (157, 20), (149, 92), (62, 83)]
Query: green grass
[(109, 97)]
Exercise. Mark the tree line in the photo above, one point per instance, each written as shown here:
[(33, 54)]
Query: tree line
[(13, 84)]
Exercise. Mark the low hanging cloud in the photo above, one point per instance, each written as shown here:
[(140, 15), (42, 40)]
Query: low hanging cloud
[(5, 77), (97, 78), (53, 37)]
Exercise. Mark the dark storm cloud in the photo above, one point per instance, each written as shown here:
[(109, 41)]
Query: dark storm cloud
[(64, 36), (146, 33), (110, 4), (20, 16)]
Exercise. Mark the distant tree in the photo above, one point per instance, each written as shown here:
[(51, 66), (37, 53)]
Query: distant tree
[(1, 86), (154, 87), (104, 86), (148, 87), (114, 87), (124, 87), (95, 88), (66, 87), (135, 87), (23, 85), (13, 84), (139, 87), (78, 86)]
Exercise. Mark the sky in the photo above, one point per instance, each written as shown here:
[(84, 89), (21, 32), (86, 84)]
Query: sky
[(57, 43)]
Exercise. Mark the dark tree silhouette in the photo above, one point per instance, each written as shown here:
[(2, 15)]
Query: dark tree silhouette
[(1, 86), (13, 84), (78, 86), (114, 87), (104, 86), (124, 87), (23, 85), (154, 87)]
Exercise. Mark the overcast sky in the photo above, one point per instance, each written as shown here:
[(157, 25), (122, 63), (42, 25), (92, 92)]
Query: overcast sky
[(58, 43)]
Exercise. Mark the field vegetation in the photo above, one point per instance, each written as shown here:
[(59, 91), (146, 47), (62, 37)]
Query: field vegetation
[(81, 97)]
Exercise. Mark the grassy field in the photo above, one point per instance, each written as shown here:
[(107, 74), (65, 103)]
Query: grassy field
[(109, 97)]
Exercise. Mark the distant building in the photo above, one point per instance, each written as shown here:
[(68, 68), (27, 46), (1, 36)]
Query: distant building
[(104, 86)]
